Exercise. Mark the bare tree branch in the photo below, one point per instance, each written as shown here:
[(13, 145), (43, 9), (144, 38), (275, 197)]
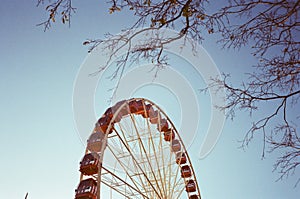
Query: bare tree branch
[(62, 9), (270, 28)]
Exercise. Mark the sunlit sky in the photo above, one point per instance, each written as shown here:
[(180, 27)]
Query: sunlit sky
[(40, 145)]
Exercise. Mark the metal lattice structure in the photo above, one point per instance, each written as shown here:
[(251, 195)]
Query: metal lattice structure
[(135, 151)]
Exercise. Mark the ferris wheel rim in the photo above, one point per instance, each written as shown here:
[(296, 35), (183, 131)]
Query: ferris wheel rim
[(111, 126)]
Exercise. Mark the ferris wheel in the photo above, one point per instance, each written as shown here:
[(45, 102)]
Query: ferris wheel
[(133, 152)]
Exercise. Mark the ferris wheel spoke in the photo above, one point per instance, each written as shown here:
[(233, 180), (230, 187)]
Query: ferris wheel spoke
[(180, 190), (157, 160), (164, 157), (125, 154), (126, 169), (134, 164), (147, 155), (141, 171), (175, 180), (113, 181)]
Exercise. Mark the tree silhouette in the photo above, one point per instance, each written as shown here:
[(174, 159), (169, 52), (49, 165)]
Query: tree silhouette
[(270, 27)]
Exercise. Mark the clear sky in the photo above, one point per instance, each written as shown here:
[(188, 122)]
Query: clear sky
[(40, 147)]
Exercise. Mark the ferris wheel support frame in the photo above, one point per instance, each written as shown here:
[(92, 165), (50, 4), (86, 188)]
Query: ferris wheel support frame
[(164, 188)]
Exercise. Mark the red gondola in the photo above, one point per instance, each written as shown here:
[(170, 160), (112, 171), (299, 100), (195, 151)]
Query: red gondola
[(194, 197), (136, 106), (87, 189), (180, 158), (169, 135), (163, 126), (103, 124), (154, 116), (190, 186), (89, 164), (186, 171), (118, 105), (124, 111), (148, 109), (109, 113), (96, 141), (175, 145)]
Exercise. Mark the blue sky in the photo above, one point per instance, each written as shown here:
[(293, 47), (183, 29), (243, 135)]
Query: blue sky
[(40, 146)]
